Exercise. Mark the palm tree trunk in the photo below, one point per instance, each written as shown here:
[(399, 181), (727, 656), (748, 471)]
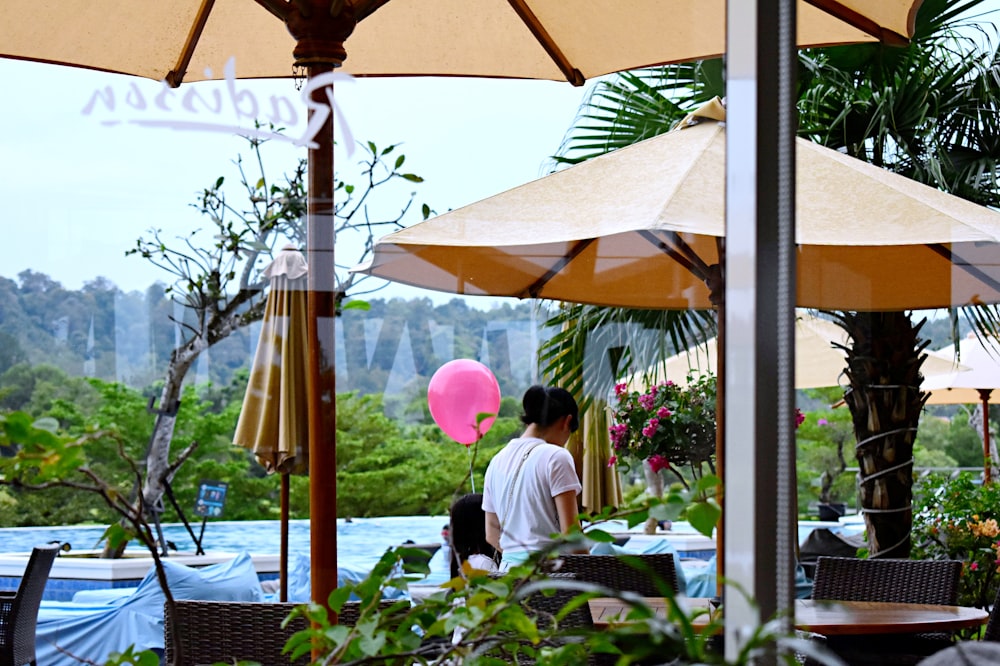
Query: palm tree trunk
[(885, 402)]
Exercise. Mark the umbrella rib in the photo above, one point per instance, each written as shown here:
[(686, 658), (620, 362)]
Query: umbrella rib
[(971, 269), (572, 74), (862, 22), (535, 287), (680, 252), (175, 76)]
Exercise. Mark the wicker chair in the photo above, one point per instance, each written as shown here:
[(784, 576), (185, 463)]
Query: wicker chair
[(544, 608), (19, 610), (631, 573), (228, 631), (901, 581)]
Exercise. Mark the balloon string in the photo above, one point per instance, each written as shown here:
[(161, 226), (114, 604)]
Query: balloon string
[(472, 476)]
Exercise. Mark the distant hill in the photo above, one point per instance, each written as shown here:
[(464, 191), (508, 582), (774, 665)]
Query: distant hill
[(393, 347)]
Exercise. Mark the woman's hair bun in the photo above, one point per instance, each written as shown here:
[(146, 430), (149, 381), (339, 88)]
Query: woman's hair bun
[(546, 405)]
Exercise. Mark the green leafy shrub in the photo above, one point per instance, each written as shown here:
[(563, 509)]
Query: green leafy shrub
[(957, 519)]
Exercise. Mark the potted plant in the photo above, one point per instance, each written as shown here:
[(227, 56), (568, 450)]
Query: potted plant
[(667, 428)]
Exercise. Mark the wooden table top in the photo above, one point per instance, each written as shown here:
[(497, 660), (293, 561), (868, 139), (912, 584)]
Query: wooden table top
[(830, 618)]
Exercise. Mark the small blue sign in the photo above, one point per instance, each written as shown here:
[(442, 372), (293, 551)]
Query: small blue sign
[(211, 499)]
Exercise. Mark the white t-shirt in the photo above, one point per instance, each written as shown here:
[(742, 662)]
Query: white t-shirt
[(530, 521)]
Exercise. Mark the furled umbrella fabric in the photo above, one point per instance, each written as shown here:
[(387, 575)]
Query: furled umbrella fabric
[(975, 385), (591, 450), (274, 421)]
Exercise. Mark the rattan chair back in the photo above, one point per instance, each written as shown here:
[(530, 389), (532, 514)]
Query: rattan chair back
[(209, 632), (642, 574), (895, 580), (901, 581), (19, 610)]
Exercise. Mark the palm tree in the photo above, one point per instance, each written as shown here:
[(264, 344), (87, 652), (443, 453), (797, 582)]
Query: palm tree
[(927, 111)]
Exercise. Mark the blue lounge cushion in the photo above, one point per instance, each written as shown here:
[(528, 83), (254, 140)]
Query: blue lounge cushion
[(92, 631)]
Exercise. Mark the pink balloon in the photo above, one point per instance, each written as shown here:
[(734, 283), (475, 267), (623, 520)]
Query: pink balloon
[(457, 392)]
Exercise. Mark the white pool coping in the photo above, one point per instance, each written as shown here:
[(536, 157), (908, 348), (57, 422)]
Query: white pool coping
[(126, 568)]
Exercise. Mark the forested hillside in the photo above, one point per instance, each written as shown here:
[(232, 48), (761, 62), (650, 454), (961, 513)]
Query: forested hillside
[(393, 348)]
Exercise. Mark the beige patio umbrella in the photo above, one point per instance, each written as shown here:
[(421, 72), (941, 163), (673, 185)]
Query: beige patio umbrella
[(819, 358), (273, 421), (178, 40), (974, 385), (640, 227), (191, 40)]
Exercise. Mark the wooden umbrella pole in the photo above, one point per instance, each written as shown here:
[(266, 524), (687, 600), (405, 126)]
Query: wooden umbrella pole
[(984, 395), (319, 30), (283, 565)]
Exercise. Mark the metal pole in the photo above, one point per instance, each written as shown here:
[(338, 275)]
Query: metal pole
[(759, 302)]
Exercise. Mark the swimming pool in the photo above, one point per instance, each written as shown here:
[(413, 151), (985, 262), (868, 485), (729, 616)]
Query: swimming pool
[(360, 542)]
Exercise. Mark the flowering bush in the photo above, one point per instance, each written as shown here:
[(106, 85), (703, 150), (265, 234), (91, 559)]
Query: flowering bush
[(667, 425), (957, 519)]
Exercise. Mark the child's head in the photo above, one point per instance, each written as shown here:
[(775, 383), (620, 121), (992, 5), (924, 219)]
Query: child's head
[(468, 530)]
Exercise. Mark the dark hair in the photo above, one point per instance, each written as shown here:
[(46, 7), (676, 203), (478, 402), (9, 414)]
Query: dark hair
[(468, 531), (545, 405)]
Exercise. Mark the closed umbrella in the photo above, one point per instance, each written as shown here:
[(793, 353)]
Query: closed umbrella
[(273, 421), (191, 39), (975, 385), (819, 357)]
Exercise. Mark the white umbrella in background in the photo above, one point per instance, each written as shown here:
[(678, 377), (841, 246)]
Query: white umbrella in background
[(819, 359), (970, 387)]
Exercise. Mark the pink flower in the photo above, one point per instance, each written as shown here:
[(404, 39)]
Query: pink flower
[(974, 566), (612, 461), (799, 417), (621, 389), (647, 401), (822, 422), (651, 427), (618, 433), (663, 413), (657, 462)]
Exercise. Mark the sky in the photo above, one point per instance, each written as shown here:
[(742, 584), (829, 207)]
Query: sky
[(80, 187)]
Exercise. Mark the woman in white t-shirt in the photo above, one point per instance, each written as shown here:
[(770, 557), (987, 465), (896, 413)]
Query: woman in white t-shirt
[(531, 484)]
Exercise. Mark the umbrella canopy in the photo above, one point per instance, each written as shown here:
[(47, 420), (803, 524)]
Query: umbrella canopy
[(974, 385), (528, 39), (819, 357), (640, 227), (274, 421)]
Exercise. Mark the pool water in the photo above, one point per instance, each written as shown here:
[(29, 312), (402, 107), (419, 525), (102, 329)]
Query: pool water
[(360, 542)]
